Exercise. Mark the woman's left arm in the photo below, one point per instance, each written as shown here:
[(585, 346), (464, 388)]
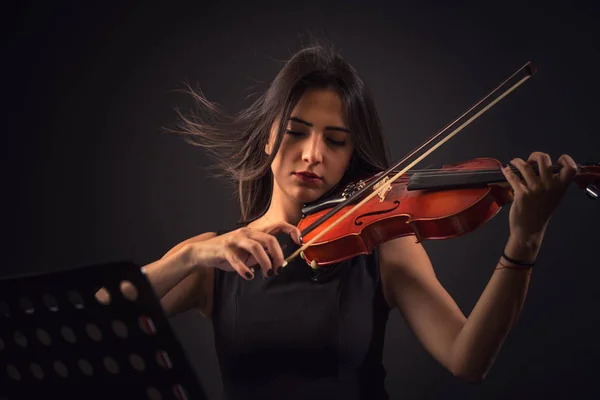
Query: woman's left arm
[(467, 347)]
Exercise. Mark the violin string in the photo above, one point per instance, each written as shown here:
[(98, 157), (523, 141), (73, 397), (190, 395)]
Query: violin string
[(456, 169), (429, 171), (440, 172), (449, 172), (462, 173)]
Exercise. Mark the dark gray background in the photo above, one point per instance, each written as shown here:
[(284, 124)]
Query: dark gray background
[(90, 175)]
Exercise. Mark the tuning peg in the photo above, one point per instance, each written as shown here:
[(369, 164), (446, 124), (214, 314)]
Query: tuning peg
[(592, 191)]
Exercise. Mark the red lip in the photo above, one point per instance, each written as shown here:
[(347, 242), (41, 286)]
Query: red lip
[(308, 174)]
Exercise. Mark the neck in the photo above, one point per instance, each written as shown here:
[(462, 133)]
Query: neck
[(282, 208)]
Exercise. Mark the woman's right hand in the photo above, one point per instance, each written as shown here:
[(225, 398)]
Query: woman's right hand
[(243, 248)]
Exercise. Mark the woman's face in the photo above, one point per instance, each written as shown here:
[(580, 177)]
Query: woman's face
[(316, 141)]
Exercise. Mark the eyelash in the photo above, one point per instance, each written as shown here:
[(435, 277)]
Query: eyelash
[(333, 142)]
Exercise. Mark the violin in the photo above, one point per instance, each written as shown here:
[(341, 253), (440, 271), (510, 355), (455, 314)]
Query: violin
[(431, 204)]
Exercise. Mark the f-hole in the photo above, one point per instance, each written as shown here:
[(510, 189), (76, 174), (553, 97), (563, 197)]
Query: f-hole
[(357, 221)]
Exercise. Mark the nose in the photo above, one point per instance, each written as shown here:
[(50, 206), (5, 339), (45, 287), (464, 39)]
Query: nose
[(313, 150)]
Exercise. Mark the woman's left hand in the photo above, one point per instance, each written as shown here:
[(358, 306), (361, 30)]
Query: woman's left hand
[(536, 197)]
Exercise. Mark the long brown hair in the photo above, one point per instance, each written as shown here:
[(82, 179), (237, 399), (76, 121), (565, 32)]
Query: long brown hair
[(237, 142)]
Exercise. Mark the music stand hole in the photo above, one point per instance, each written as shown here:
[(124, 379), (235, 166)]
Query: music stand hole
[(20, 339), (4, 310), (43, 337), (68, 334), (26, 305), (85, 367), (147, 325), (75, 299), (36, 370), (13, 372), (50, 302), (103, 296), (153, 393), (128, 290), (119, 328), (60, 369), (111, 365), (137, 362), (162, 358), (179, 392), (93, 332)]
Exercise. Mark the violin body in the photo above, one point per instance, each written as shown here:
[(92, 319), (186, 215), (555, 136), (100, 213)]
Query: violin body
[(443, 204), (426, 213)]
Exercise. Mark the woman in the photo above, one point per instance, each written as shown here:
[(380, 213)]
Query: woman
[(286, 336)]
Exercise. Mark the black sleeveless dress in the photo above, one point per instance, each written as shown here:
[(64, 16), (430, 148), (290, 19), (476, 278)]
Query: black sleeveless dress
[(300, 335)]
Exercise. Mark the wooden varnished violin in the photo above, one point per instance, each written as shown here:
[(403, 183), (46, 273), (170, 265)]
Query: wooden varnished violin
[(429, 204)]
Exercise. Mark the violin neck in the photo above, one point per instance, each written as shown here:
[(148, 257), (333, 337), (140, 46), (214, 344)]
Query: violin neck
[(463, 179)]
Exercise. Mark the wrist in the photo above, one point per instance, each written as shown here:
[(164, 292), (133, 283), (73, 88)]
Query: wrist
[(188, 257), (522, 249)]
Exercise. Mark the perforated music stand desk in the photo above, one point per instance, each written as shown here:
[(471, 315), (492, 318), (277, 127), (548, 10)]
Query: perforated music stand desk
[(58, 340)]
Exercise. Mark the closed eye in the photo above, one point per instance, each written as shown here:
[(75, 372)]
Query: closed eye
[(295, 133), (300, 134)]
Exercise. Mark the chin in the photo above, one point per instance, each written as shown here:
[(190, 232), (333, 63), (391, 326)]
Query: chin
[(305, 195)]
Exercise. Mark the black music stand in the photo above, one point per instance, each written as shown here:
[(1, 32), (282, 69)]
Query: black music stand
[(58, 339)]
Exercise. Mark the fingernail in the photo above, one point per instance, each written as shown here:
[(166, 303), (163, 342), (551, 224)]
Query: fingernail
[(270, 273), (249, 275)]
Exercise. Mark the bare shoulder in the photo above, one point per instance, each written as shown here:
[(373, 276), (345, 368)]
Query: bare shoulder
[(200, 285)]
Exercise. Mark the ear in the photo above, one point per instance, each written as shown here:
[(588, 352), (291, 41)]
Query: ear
[(268, 148)]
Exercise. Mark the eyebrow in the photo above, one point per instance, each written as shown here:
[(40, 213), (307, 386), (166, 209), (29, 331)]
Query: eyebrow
[(327, 128)]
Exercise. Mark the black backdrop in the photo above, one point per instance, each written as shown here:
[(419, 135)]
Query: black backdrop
[(89, 175)]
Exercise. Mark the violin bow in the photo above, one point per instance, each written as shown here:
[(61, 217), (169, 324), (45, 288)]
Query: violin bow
[(383, 182)]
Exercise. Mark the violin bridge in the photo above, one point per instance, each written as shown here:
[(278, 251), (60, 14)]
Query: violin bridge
[(386, 188)]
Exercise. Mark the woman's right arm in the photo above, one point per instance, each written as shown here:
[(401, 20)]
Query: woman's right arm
[(183, 284), (179, 283), (184, 277)]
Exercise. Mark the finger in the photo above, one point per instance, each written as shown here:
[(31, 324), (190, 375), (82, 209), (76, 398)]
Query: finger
[(568, 170), (256, 249), (531, 180), (290, 229), (237, 264), (276, 253), (512, 178), (544, 167), (271, 246)]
